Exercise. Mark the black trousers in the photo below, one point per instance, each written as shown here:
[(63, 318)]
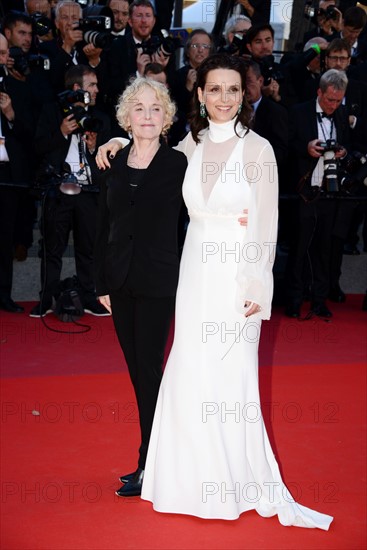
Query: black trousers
[(61, 214), (10, 201), (142, 324), (311, 250)]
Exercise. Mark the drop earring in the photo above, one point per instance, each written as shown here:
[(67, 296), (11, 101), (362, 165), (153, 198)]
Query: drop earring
[(203, 113), (239, 109)]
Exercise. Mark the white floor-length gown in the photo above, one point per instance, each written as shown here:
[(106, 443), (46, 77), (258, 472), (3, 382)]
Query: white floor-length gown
[(209, 453)]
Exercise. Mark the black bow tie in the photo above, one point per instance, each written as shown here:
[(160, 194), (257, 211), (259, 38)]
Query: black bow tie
[(324, 115)]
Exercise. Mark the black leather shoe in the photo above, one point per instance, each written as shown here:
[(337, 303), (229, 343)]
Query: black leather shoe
[(337, 295), (9, 305), (321, 310), (133, 487), (293, 310), (127, 477)]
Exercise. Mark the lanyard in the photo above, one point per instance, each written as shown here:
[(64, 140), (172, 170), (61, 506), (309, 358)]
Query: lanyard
[(83, 164), (322, 127)]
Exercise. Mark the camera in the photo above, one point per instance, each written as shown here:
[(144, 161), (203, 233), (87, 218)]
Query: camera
[(354, 172), (69, 102), (269, 70), (96, 30), (42, 25), (237, 46), (164, 45), (312, 11), (24, 62), (330, 180)]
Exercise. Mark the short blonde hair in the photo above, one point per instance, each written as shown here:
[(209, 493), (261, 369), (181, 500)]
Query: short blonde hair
[(128, 97)]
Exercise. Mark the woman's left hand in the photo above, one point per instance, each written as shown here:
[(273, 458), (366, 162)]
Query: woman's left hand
[(252, 308)]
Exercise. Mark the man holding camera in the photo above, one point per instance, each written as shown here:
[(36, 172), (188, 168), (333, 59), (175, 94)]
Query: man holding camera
[(16, 124), (68, 134), (69, 48), (319, 136), (131, 53), (277, 82)]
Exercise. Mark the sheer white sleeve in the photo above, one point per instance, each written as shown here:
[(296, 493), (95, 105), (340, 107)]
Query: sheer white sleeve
[(186, 146), (122, 140), (255, 271)]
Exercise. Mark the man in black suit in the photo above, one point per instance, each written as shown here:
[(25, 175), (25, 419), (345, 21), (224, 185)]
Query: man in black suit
[(127, 58), (354, 25), (16, 123), (277, 82), (311, 124), (62, 141)]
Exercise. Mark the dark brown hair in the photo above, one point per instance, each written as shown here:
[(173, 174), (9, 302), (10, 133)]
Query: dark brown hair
[(218, 61)]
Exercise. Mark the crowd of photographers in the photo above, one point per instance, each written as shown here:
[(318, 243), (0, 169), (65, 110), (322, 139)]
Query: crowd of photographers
[(62, 67)]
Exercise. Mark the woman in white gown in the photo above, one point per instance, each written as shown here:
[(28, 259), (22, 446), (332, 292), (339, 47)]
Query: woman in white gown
[(209, 454)]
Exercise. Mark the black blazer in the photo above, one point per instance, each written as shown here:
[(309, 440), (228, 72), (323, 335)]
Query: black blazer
[(303, 129), (19, 134), (271, 123), (137, 234)]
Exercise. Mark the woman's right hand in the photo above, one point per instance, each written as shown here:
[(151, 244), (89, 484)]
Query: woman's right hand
[(106, 151), (106, 302)]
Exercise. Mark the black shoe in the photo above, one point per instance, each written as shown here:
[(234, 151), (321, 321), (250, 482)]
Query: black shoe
[(96, 308), (293, 309), (9, 305), (321, 310), (337, 295), (127, 477), (351, 250), (38, 312), (133, 487)]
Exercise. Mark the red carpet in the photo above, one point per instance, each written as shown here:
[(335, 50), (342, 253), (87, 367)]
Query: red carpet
[(59, 468)]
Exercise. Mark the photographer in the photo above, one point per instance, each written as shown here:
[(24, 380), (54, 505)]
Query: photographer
[(277, 82), (120, 12), (319, 136), (326, 17), (354, 24), (67, 136), (234, 34), (70, 48), (41, 13), (16, 123), (131, 53), (199, 45), (22, 63)]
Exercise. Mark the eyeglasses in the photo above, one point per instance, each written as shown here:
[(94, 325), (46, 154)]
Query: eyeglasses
[(244, 31), (197, 46), (338, 57)]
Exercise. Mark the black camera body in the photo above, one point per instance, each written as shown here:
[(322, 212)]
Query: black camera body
[(354, 175), (96, 30), (24, 62), (69, 102), (165, 45), (312, 11), (237, 46), (330, 145), (42, 25), (269, 70)]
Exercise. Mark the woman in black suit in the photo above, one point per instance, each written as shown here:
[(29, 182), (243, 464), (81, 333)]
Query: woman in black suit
[(136, 250)]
